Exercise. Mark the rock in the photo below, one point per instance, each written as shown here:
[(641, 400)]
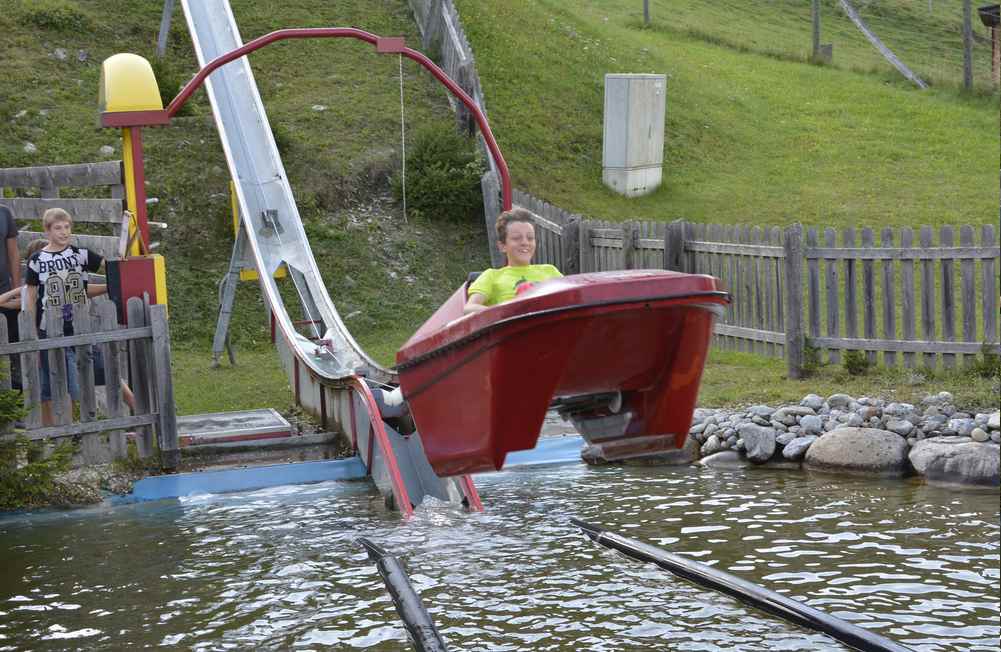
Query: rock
[(784, 438), (710, 429), (996, 437), (869, 412), (898, 409), (811, 424), (854, 420), (724, 460), (970, 463), (782, 414), (961, 426), (700, 415), (779, 427), (994, 421), (82, 56), (980, 420), (980, 435), (944, 397), (678, 457), (859, 450), (319, 107), (839, 400), (20, 114), (796, 449), (758, 441), (731, 441), (812, 401), (107, 150), (761, 411), (60, 54), (761, 421), (712, 446), (29, 148), (696, 429), (932, 411), (899, 426), (927, 450)]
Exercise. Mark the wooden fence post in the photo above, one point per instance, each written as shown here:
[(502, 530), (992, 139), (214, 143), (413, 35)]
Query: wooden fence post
[(586, 256), (161, 39), (5, 370), (674, 246), (32, 388), (491, 210), (139, 364), (58, 390), (793, 245), (570, 242), (107, 319), (630, 233), (170, 454)]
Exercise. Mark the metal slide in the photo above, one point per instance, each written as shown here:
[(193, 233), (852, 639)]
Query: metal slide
[(330, 373)]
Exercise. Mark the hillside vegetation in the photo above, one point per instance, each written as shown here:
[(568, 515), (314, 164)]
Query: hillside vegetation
[(334, 106), (752, 136)]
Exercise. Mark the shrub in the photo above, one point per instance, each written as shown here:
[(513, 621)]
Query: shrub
[(26, 474), (443, 176), (56, 15), (170, 84), (856, 363)]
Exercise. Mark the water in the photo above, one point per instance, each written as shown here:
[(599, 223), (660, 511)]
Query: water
[(280, 569)]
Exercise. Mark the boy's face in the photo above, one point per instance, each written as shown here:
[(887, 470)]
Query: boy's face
[(519, 247), (59, 233)]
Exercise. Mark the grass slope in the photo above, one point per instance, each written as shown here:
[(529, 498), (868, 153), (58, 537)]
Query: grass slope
[(750, 138), (334, 107)]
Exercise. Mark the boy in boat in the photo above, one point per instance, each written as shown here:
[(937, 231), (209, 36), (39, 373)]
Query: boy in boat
[(516, 240), (56, 279)]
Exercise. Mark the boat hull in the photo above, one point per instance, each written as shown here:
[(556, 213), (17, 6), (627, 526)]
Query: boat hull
[(621, 352)]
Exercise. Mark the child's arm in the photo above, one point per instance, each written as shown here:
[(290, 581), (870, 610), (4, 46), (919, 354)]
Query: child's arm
[(11, 299), (96, 290), (32, 299)]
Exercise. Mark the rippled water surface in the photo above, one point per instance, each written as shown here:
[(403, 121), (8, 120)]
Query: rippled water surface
[(280, 568)]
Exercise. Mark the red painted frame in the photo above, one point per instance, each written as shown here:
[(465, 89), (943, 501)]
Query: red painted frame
[(383, 45)]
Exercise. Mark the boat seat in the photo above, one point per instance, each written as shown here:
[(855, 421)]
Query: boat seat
[(470, 279)]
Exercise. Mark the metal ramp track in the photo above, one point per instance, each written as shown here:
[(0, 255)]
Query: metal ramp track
[(327, 382)]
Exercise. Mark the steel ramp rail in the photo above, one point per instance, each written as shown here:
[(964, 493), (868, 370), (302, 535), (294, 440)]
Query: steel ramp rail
[(326, 378)]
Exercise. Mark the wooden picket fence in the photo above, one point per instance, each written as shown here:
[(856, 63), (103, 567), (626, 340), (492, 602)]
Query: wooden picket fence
[(794, 290), (139, 354), (39, 188)]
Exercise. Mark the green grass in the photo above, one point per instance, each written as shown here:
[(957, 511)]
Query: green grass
[(750, 138), (734, 379), (754, 135)]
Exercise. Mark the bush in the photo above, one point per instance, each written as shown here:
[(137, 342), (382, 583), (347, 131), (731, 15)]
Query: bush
[(26, 474), (856, 363), (987, 364), (443, 176), (170, 84), (56, 15)]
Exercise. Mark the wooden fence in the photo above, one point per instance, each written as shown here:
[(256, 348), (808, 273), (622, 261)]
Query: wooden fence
[(796, 291), (39, 188), (139, 354)]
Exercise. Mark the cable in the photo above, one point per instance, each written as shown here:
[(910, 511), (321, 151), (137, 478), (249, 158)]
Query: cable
[(402, 136)]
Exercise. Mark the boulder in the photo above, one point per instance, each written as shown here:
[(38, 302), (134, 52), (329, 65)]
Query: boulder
[(724, 460), (796, 449), (839, 400), (789, 415), (979, 434), (759, 442), (712, 445), (811, 424), (900, 426), (927, 451), (978, 465), (761, 411), (859, 450), (994, 421), (812, 401)]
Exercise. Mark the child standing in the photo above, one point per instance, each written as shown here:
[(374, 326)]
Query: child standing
[(56, 280)]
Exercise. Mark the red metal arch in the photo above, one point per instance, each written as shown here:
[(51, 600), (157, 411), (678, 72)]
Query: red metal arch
[(392, 45)]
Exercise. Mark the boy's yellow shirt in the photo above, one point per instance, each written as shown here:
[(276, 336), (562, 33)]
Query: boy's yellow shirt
[(500, 285)]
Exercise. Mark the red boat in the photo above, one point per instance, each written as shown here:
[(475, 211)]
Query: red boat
[(619, 353)]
